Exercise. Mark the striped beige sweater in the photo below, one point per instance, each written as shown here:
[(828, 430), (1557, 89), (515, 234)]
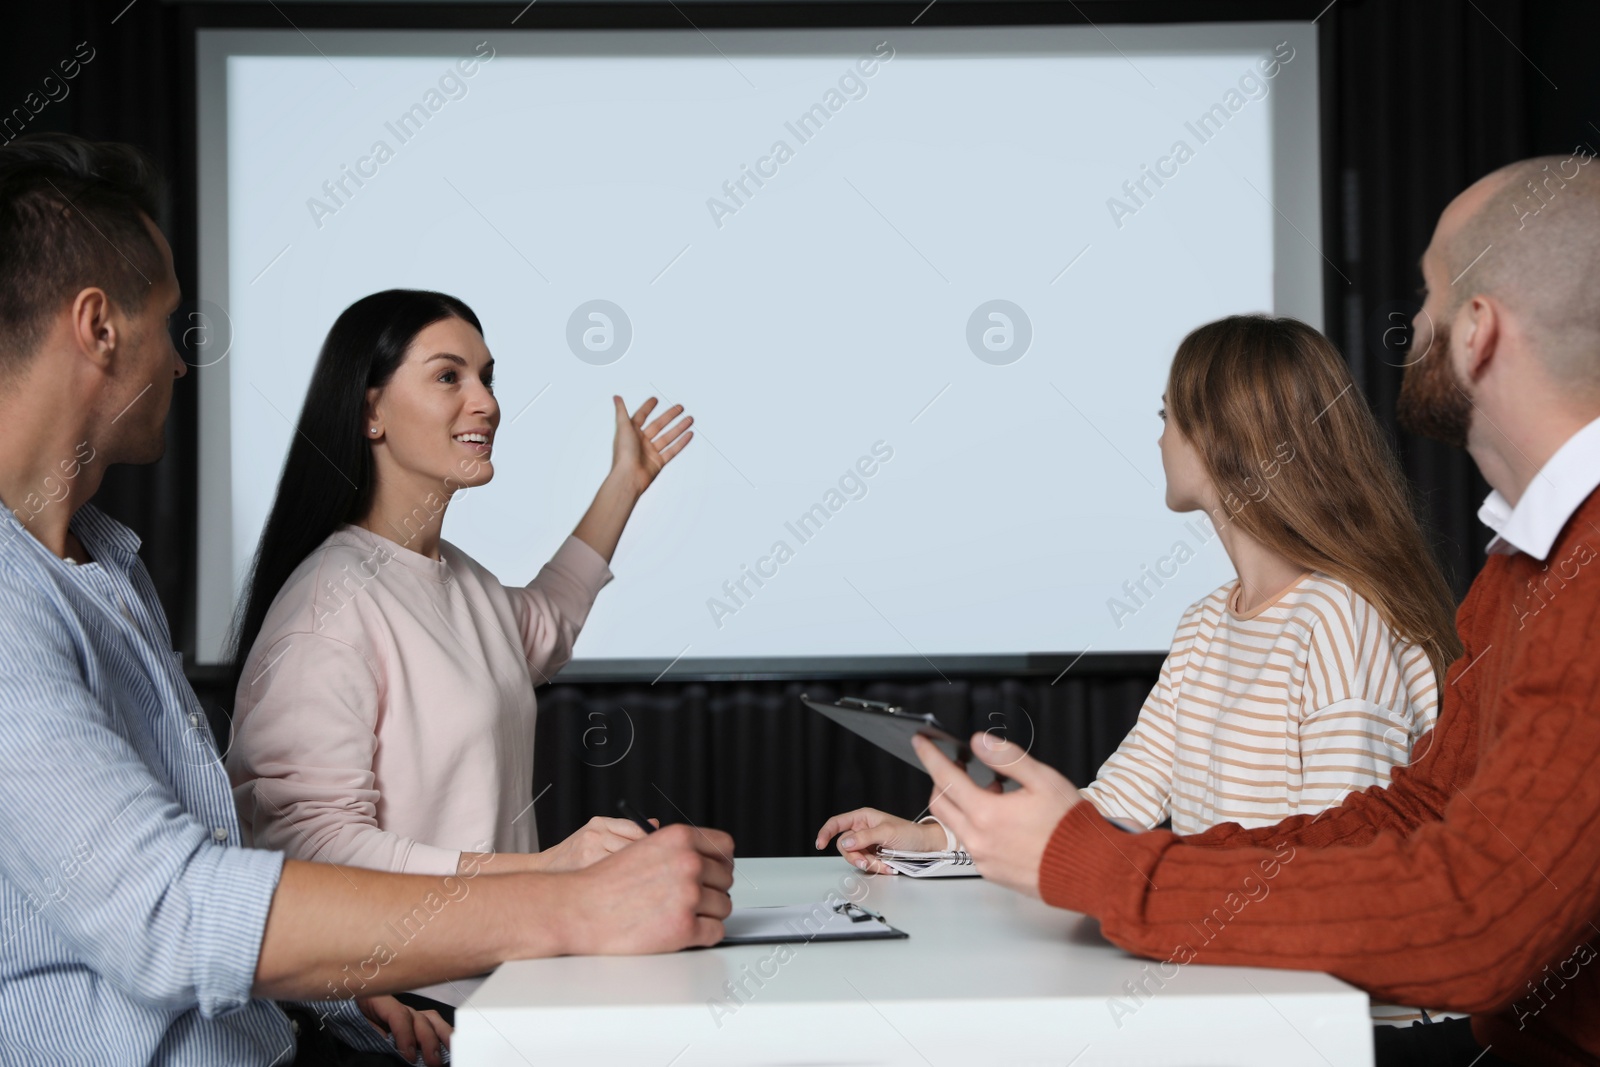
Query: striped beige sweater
[(1274, 713)]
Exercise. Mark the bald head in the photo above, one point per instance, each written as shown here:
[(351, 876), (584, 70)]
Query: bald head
[(1528, 235)]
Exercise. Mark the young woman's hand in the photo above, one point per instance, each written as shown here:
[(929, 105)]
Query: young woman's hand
[(591, 843), (411, 1029), (640, 450), (866, 830)]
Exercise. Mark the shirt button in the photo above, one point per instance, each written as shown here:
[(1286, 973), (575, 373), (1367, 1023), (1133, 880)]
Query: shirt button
[(220, 834), (194, 718)]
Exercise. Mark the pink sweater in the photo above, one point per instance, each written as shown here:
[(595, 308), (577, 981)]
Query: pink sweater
[(385, 715)]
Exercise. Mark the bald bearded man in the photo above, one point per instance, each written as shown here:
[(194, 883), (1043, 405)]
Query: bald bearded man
[(1472, 881)]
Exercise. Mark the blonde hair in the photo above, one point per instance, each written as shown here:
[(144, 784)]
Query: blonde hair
[(1301, 466)]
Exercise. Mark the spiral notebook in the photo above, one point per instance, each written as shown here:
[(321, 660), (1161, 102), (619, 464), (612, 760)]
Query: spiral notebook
[(953, 864)]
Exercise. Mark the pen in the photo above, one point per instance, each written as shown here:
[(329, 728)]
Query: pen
[(628, 812)]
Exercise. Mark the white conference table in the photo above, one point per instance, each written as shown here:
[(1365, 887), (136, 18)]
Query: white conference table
[(986, 977)]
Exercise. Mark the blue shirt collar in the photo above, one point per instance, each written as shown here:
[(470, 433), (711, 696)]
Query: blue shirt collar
[(107, 540)]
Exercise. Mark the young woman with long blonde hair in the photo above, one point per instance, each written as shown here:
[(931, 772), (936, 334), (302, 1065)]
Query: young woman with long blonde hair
[(1313, 672)]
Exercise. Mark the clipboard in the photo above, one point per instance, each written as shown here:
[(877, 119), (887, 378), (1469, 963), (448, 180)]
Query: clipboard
[(892, 728), (804, 923)]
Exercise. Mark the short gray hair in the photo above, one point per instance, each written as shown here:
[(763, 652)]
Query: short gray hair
[(1533, 243)]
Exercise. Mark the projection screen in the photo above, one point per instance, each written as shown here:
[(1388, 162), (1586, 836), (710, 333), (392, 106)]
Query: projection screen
[(918, 287)]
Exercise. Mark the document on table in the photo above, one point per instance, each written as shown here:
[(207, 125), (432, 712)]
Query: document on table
[(806, 922)]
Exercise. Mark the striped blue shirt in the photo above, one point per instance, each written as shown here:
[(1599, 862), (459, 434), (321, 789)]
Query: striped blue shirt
[(130, 916)]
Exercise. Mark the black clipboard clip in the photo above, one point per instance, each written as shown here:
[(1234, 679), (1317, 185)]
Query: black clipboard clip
[(891, 729), (856, 913), (863, 702)]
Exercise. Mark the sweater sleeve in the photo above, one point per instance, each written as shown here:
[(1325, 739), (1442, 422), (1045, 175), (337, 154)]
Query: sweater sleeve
[(1455, 914), (1356, 717), (1135, 783), (552, 608), (301, 763)]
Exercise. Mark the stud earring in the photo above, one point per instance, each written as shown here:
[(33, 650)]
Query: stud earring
[(374, 429)]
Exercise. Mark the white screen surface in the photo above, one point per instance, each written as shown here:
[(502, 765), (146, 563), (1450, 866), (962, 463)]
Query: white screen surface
[(819, 317)]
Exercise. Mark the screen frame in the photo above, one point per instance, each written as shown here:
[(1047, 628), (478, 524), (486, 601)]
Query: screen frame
[(209, 248)]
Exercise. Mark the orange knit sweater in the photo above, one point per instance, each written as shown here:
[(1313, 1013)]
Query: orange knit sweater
[(1471, 882)]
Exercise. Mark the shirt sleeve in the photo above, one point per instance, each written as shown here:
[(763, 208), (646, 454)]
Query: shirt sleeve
[(1135, 784), (305, 736), (107, 857), (552, 608), (1358, 711)]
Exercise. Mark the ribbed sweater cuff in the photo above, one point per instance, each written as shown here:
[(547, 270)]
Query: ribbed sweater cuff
[(423, 858), (586, 565), (1089, 865)]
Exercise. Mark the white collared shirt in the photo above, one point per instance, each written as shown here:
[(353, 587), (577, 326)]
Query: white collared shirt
[(1561, 485)]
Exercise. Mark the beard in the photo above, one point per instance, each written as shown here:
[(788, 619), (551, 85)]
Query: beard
[(1432, 401)]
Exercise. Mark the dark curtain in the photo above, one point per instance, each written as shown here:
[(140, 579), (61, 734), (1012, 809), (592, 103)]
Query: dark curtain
[(1421, 97), (1426, 98), (130, 90), (751, 759)]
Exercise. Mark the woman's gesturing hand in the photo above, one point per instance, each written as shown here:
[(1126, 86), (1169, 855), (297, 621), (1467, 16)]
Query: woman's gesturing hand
[(641, 449), (866, 830), (638, 453)]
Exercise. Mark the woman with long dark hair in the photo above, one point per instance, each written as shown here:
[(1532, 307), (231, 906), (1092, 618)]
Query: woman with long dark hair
[(384, 712), (1312, 673)]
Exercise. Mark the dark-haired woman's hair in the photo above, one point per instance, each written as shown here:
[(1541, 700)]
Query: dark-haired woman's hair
[(328, 476), (1301, 466)]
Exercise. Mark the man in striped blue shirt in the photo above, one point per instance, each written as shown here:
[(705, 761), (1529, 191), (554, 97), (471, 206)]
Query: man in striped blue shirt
[(134, 927)]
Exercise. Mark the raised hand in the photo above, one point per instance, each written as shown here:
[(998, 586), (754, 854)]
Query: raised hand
[(866, 830), (638, 452), (1004, 833), (641, 449)]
